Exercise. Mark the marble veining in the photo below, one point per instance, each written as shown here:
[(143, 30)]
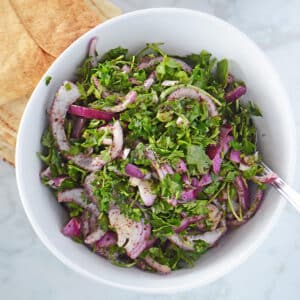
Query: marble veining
[(29, 271)]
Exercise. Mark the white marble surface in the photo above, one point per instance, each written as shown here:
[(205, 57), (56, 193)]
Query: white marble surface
[(29, 271)]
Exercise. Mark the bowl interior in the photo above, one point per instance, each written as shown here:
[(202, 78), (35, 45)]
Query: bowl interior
[(183, 32)]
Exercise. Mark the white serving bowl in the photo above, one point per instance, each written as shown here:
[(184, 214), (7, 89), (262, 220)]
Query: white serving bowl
[(183, 31)]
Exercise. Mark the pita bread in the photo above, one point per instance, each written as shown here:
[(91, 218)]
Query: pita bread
[(10, 116), (22, 62), (26, 28), (55, 24), (7, 153), (106, 8)]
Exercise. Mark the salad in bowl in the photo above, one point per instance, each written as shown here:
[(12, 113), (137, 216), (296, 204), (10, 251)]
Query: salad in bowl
[(153, 156)]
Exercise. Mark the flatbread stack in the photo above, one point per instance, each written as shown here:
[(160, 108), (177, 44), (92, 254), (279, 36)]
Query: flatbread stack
[(32, 34)]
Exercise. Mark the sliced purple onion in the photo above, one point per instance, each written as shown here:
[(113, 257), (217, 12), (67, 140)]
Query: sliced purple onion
[(181, 167), (215, 215), (146, 192), (185, 179), (235, 93), (167, 169), (77, 127), (126, 69), (54, 182), (172, 201), (188, 195), (77, 196), (210, 237), (269, 178), (235, 156), (147, 63), (242, 191), (134, 81), (92, 51), (169, 82), (258, 198), (205, 180), (183, 244), (96, 82), (132, 234), (150, 80), (125, 153), (244, 167), (230, 79), (134, 171), (67, 94), (72, 228), (89, 188), (107, 240), (117, 144), (89, 113), (63, 99), (198, 94), (187, 222), (129, 98), (107, 141), (94, 236), (163, 269), (214, 153), (87, 162), (185, 67)]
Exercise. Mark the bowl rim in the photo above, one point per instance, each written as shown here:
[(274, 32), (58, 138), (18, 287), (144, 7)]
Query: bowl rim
[(185, 285)]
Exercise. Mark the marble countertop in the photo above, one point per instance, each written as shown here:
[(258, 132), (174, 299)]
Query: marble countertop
[(29, 271)]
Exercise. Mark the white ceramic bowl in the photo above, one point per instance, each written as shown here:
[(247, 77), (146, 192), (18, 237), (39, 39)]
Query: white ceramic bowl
[(183, 31)]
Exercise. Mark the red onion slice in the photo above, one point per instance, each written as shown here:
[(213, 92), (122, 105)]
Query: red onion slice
[(210, 237), (150, 80), (77, 127), (149, 63), (205, 180), (198, 94), (153, 61), (92, 51), (94, 236), (187, 222), (87, 162), (185, 67), (183, 244), (242, 191), (146, 192), (107, 240), (89, 188), (89, 113), (117, 144), (129, 98), (214, 153), (235, 93), (269, 178), (77, 196), (169, 82), (163, 269), (72, 228), (188, 195), (126, 69), (54, 182), (181, 167), (258, 198), (134, 171), (132, 234), (63, 99), (235, 156), (67, 94), (125, 153)]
